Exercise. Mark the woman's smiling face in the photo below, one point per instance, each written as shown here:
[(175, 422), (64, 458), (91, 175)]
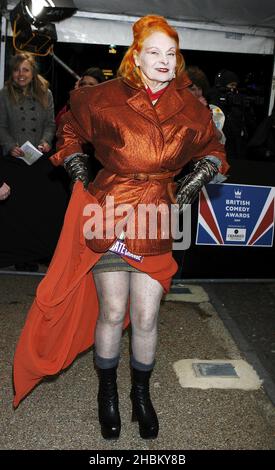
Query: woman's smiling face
[(157, 59), (23, 74)]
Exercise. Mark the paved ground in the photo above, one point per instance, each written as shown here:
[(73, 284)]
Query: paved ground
[(252, 307), (61, 413)]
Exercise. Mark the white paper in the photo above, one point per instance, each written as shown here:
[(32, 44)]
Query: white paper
[(32, 154), (218, 116)]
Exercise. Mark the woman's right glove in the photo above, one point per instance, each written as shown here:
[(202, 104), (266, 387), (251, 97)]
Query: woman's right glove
[(77, 169), (191, 184)]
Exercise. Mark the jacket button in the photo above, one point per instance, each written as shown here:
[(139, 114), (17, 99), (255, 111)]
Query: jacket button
[(23, 129)]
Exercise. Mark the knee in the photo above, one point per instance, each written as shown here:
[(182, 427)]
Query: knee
[(112, 316), (145, 323)]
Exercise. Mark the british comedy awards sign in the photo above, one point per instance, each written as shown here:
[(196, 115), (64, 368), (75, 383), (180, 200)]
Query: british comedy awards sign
[(236, 215)]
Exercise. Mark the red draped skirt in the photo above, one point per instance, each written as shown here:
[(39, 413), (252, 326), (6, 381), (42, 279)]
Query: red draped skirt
[(62, 319)]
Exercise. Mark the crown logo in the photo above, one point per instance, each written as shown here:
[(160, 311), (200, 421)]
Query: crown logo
[(238, 193)]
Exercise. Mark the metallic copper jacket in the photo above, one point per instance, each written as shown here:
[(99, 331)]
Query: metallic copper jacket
[(132, 139)]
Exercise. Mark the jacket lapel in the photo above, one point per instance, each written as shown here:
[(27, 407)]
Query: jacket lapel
[(140, 103), (171, 102)]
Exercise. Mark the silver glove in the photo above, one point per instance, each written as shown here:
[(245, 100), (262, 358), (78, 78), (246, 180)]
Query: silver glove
[(191, 184), (77, 169)]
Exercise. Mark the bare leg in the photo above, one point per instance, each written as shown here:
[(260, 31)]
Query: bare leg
[(113, 292), (145, 297)]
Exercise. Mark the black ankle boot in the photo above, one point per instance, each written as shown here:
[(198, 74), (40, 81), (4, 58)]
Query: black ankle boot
[(108, 412), (143, 410)]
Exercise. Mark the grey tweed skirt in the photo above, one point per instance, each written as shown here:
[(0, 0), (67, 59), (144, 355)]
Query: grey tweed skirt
[(112, 262)]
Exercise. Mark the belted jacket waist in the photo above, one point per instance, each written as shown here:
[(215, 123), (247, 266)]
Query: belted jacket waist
[(134, 190), (163, 175)]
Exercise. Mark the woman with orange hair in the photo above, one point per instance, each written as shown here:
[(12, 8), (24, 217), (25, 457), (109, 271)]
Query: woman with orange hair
[(145, 127)]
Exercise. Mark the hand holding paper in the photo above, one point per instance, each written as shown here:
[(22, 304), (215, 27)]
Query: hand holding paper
[(31, 153)]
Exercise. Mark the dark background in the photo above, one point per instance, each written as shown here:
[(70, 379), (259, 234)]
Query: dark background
[(255, 67), (79, 57)]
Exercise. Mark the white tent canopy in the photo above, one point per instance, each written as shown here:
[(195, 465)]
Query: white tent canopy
[(246, 26), (250, 13)]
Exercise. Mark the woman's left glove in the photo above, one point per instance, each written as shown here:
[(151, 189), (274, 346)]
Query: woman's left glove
[(77, 169), (191, 184)]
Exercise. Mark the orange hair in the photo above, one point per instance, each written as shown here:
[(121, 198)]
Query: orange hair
[(143, 28)]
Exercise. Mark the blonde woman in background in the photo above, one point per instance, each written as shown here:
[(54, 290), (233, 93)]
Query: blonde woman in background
[(38, 199)]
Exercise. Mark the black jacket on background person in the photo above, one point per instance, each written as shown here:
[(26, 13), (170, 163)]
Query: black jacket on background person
[(262, 144), (240, 119)]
